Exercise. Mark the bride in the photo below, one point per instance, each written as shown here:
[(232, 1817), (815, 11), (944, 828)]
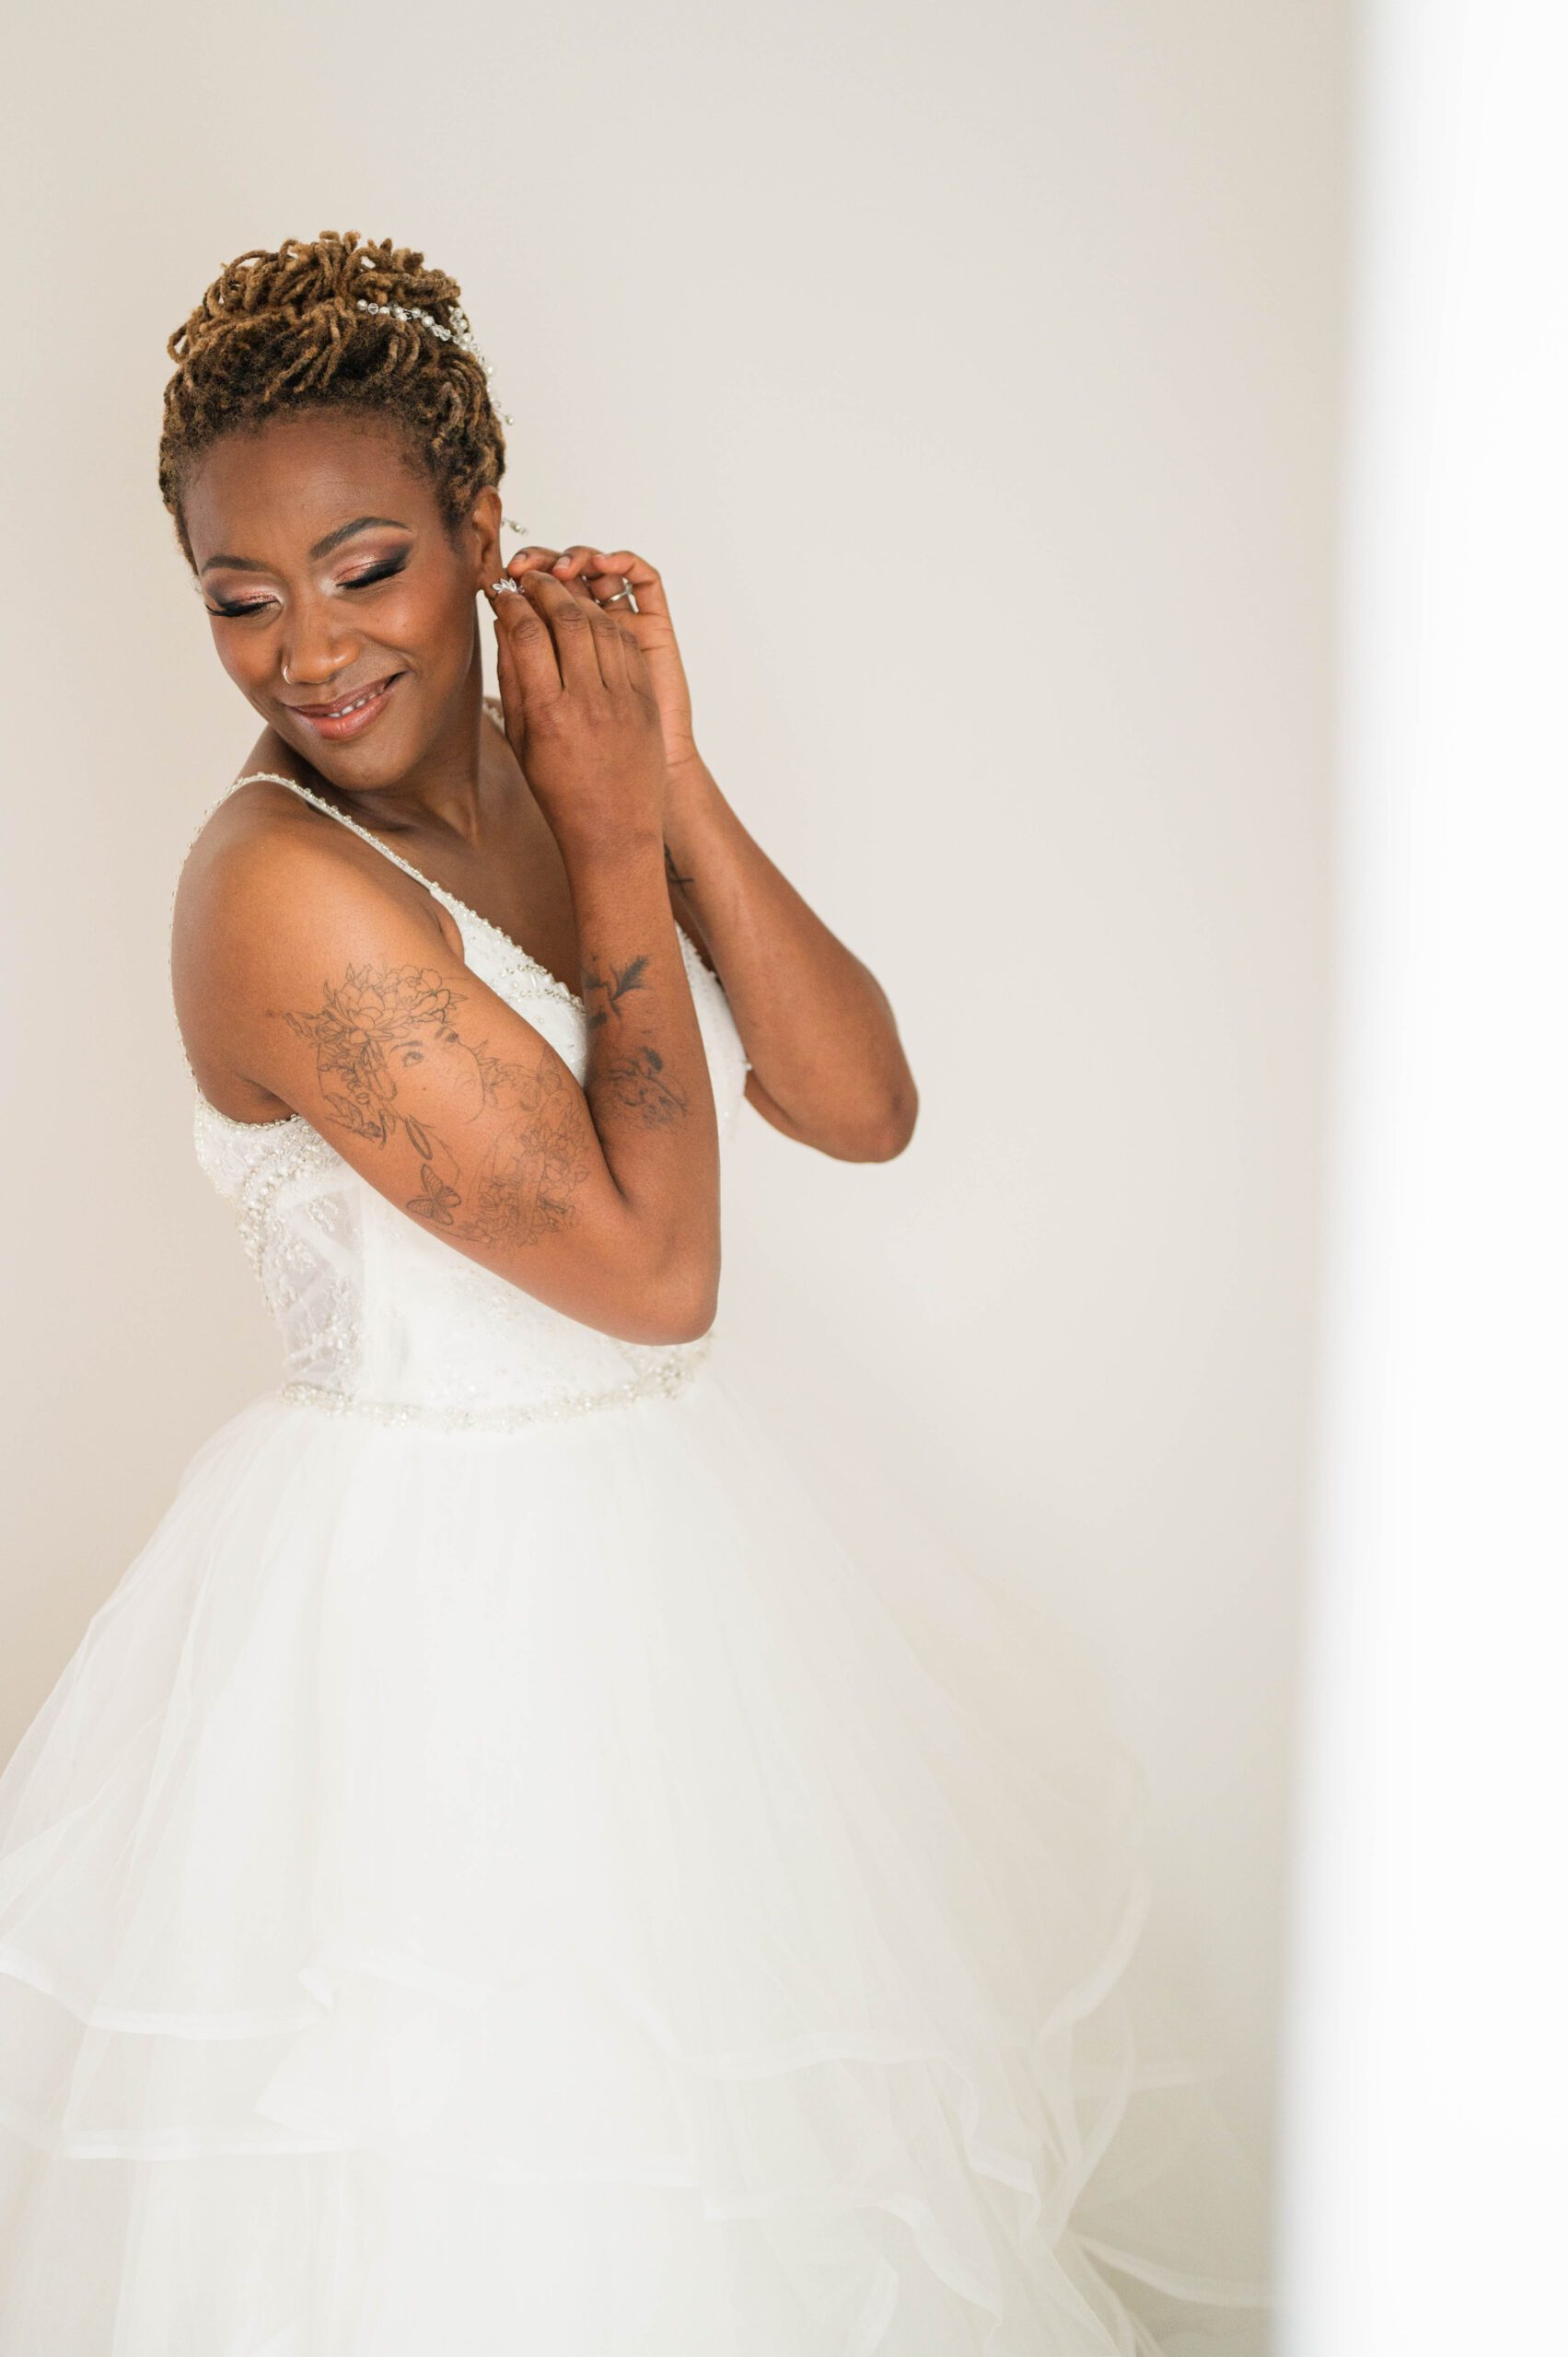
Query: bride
[(497, 1874)]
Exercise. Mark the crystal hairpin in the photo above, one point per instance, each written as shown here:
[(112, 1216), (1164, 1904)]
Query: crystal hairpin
[(458, 332)]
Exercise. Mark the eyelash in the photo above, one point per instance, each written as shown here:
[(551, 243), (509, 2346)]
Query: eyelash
[(360, 581)]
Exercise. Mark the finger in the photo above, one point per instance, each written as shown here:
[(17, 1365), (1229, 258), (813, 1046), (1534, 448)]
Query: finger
[(513, 710), (615, 645), (572, 565), (529, 643), (569, 569), (608, 568), (605, 581), (571, 562), (622, 619), (540, 560), (612, 641), (613, 657), (571, 622), (616, 601)]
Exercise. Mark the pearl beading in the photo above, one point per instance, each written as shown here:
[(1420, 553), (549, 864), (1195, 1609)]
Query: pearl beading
[(662, 1378), (286, 1266)]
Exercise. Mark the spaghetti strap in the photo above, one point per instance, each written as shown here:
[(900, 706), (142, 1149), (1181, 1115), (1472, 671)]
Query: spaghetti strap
[(276, 777)]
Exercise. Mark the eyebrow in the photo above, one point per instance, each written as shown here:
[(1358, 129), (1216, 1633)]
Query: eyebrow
[(322, 547)]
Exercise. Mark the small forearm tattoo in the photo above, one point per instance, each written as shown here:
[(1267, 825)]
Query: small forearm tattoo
[(673, 873), (622, 981), (639, 1083), (395, 1068), (635, 1074)]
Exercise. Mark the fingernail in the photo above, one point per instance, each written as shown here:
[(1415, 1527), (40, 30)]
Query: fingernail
[(562, 564)]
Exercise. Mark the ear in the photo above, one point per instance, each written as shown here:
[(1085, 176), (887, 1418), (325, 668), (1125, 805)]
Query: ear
[(481, 536)]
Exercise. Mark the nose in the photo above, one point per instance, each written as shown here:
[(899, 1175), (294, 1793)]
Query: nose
[(318, 650)]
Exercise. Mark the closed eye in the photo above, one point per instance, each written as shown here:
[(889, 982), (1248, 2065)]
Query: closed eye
[(377, 573), (354, 581)]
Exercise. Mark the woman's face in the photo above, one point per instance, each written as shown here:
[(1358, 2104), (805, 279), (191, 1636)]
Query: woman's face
[(434, 1070), (331, 576)]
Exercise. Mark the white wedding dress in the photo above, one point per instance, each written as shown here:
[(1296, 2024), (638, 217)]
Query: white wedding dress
[(499, 1876)]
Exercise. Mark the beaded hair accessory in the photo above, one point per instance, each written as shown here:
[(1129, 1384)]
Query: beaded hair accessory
[(460, 333)]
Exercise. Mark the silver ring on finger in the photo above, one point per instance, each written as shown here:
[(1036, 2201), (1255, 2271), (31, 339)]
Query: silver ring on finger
[(626, 592)]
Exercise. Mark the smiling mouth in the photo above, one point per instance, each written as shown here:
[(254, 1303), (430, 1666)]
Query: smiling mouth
[(344, 704)]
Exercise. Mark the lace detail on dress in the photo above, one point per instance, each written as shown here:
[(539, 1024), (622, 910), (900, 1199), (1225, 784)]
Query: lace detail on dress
[(378, 1316)]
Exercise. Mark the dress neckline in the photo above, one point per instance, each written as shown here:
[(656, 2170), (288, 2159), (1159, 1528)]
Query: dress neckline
[(458, 908)]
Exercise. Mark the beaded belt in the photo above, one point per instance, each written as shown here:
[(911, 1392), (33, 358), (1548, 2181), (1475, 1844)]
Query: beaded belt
[(661, 1378)]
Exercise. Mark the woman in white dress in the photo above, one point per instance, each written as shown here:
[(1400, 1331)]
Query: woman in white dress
[(496, 1875)]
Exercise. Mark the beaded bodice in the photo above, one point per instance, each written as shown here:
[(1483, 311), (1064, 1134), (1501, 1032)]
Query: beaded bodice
[(377, 1315)]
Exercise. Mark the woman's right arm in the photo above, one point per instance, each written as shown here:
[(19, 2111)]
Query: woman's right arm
[(344, 998)]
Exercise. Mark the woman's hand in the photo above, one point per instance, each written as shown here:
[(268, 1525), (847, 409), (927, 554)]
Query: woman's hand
[(580, 713), (598, 573)]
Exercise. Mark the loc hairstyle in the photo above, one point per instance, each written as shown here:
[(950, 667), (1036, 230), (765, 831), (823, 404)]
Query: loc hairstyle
[(280, 333)]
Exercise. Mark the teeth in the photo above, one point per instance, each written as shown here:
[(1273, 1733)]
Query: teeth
[(342, 710)]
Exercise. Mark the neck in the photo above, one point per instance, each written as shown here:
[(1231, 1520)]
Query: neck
[(446, 793)]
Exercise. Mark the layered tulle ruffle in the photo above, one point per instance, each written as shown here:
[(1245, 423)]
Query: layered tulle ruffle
[(481, 1891)]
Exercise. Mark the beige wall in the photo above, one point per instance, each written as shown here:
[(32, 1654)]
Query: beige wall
[(972, 374)]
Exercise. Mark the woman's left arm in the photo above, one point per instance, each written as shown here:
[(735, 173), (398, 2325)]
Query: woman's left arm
[(827, 1065)]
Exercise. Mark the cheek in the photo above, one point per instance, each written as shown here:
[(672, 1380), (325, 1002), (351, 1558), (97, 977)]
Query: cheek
[(422, 619), (244, 654)]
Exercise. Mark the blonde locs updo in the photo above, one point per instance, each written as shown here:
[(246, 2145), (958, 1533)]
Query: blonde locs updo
[(279, 332)]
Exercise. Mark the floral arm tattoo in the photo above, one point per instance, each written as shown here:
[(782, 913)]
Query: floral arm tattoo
[(381, 1035)]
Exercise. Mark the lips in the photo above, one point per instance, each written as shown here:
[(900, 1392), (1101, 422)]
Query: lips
[(332, 711), (348, 716)]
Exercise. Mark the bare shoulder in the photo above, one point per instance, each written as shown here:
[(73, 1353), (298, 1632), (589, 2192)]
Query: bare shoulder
[(262, 853), (268, 877)]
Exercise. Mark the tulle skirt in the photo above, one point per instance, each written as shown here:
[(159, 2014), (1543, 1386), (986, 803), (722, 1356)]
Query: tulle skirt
[(476, 1892)]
